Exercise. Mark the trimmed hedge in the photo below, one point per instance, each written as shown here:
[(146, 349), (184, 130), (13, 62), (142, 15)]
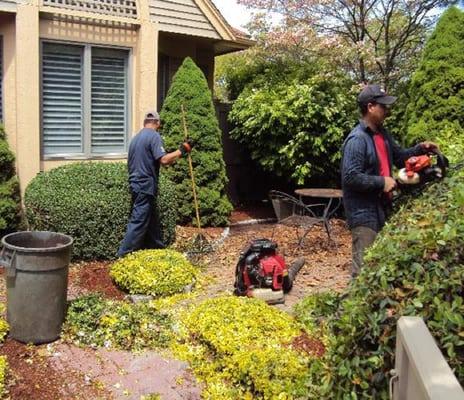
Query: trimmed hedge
[(414, 268), (189, 88), (153, 272), (10, 198), (91, 202)]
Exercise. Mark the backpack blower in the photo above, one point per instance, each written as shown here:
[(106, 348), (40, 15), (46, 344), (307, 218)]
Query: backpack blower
[(262, 273)]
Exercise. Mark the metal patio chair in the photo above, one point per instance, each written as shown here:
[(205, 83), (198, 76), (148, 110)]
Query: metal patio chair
[(292, 212)]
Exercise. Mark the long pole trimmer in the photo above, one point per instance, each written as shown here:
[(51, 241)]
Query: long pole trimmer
[(200, 242)]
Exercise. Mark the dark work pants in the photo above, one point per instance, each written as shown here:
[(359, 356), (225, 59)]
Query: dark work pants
[(362, 237), (143, 230)]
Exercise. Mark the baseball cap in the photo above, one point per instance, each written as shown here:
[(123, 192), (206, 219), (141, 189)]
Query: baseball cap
[(375, 94), (152, 115)]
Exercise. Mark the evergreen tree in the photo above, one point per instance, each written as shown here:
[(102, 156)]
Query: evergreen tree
[(436, 108), (10, 200), (190, 90)]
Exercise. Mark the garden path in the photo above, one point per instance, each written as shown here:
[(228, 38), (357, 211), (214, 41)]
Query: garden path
[(64, 371)]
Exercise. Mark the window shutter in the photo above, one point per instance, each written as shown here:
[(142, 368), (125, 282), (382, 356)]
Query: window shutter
[(109, 101), (62, 118), (1, 79)]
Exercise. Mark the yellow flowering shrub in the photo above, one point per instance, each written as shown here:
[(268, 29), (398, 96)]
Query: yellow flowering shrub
[(4, 327), (242, 349), (154, 272), (3, 371)]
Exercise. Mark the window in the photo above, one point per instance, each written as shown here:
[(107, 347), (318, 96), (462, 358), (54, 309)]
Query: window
[(84, 100), (1, 79)]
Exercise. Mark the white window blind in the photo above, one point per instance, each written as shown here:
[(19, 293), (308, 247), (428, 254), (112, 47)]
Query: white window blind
[(62, 116), (1, 78), (109, 101), (84, 100)]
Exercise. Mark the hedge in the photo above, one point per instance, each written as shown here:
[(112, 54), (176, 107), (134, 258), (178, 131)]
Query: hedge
[(190, 89), (435, 111), (414, 268), (91, 202), (10, 198)]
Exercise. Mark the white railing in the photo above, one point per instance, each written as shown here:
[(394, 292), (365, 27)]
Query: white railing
[(119, 8), (421, 372)]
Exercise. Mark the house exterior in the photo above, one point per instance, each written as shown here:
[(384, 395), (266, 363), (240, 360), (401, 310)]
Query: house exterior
[(78, 75)]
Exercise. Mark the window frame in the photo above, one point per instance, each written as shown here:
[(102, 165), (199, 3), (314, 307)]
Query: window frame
[(87, 102), (2, 83)]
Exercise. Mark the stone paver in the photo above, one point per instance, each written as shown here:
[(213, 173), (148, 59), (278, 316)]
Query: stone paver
[(127, 375)]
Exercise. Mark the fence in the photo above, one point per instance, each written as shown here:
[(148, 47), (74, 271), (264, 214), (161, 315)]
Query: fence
[(421, 372)]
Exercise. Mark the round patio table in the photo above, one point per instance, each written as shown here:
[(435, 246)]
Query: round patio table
[(334, 195)]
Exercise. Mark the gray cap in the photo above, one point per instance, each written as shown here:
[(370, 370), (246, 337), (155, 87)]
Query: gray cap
[(152, 115), (375, 94)]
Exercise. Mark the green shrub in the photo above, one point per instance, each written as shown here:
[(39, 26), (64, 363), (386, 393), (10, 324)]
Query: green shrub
[(415, 268), (190, 89), (91, 202), (243, 349), (91, 320), (294, 125), (437, 88), (153, 272), (3, 373), (10, 198)]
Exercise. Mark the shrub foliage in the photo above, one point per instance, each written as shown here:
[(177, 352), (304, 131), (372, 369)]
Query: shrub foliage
[(293, 124), (190, 89), (92, 320), (242, 349), (436, 92), (153, 272), (91, 202), (415, 268), (10, 200)]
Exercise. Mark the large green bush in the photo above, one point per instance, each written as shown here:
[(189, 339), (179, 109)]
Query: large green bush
[(91, 202), (10, 200), (294, 122), (415, 268), (190, 89), (436, 108)]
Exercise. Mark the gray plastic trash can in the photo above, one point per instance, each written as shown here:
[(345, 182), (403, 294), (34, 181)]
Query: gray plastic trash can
[(36, 265)]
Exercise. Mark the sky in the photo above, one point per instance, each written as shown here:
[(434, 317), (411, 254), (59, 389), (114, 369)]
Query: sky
[(235, 14)]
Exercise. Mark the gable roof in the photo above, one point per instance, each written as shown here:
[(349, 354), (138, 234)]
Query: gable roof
[(197, 18)]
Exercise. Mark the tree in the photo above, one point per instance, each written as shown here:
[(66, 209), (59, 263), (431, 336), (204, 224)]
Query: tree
[(374, 39), (10, 201), (293, 120), (190, 90), (437, 88)]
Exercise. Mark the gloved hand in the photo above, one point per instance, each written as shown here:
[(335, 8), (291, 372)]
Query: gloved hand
[(186, 147)]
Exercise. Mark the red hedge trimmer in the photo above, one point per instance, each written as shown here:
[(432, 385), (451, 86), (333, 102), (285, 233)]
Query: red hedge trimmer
[(419, 171)]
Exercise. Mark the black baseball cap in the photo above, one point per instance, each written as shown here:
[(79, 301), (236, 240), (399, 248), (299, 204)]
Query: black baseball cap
[(375, 94)]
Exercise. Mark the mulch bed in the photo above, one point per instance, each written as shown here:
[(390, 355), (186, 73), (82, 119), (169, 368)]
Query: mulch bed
[(31, 376), (327, 267)]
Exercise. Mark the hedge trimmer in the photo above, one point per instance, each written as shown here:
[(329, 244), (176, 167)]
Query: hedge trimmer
[(199, 243), (421, 170)]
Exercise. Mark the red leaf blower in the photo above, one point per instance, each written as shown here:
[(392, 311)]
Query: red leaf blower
[(261, 272)]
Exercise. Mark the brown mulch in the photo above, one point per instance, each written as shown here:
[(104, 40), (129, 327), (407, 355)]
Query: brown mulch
[(327, 268), (309, 345), (31, 376), (93, 277)]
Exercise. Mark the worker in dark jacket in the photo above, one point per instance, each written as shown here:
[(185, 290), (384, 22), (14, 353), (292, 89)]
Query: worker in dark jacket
[(146, 154), (369, 152)]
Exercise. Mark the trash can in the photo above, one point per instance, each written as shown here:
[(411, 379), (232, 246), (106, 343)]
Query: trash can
[(36, 265)]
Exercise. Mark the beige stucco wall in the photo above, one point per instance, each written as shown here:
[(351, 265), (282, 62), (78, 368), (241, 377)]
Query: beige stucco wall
[(7, 31), (22, 35)]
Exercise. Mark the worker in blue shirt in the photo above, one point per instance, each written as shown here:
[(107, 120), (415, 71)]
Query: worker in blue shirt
[(146, 154)]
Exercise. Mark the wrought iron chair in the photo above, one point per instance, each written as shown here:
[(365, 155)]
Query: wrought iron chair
[(292, 212)]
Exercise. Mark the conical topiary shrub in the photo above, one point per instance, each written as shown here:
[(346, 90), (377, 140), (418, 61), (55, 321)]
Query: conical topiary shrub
[(190, 89), (436, 92), (10, 200)]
